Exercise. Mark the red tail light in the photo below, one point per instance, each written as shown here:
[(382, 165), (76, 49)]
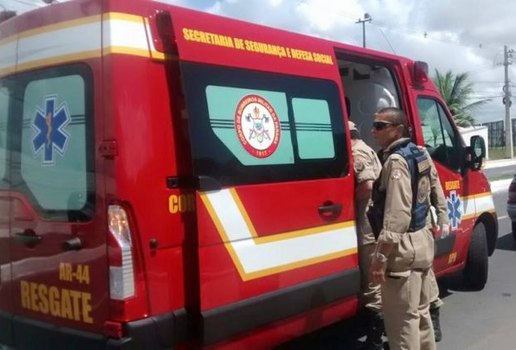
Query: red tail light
[(127, 289), (121, 271)]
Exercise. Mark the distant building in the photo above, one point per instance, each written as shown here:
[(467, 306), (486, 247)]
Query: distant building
[(496, 133)]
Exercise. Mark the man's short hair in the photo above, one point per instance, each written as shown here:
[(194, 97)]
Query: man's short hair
[(396, 116)]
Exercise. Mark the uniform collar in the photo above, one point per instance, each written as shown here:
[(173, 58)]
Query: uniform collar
[(384, 153), (395, 144)]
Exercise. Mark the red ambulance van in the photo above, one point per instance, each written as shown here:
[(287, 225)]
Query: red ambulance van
[(170, 178)]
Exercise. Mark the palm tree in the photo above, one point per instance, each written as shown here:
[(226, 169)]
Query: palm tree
[(456, 91)]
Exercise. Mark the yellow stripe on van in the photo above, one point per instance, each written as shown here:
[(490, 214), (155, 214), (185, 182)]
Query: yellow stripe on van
[(59, 26), (223, 235), (299, 264), (58, 60), (256, 257), (78, 39)]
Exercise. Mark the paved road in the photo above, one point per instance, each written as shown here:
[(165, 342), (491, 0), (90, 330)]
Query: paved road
[(484, 320), (501, 172)]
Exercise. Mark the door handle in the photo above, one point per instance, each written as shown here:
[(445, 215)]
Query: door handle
[(329, 210), (28, 238)]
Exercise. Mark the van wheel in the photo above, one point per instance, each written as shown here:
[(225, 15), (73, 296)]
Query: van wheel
[(514, 230), (476, 270)]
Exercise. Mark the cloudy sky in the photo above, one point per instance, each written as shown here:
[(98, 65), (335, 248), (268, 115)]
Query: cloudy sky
[(460, 35)]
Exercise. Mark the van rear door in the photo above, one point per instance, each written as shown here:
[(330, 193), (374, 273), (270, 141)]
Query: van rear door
[(58, 248)]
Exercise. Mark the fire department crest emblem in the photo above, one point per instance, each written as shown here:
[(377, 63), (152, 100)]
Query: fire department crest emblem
[(257, 126)]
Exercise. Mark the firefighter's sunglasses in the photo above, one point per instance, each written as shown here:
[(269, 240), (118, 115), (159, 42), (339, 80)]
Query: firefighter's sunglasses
[(382, 125)]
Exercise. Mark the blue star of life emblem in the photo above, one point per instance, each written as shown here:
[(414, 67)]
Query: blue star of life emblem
[(455, 210), (49, 126)]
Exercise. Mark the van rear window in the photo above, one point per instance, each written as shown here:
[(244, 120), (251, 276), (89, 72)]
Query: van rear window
[(251, 127), (51, 152)]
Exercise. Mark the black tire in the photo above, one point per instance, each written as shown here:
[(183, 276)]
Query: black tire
[(476, 270), (514, 230)]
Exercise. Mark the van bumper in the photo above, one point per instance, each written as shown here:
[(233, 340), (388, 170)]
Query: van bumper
[(157, 332)]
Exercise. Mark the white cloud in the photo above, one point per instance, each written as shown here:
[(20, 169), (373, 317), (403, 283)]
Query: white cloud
[(325, 15)]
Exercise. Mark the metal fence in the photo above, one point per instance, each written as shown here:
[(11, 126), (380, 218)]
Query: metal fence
[(496, 133)]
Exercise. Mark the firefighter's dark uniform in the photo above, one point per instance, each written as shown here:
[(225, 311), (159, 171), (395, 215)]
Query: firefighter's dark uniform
[(405, 192)]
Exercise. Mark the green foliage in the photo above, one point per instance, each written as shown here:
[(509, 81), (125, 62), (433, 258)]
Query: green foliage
[(457, 92)]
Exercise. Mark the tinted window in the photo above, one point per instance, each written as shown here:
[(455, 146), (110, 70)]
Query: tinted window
[(255, 127), (313, 128), (52, 159), (441, 140)]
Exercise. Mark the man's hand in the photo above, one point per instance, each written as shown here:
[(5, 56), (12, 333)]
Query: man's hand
[(378, 267)]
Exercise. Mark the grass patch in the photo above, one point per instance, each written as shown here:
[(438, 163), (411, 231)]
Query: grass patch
[(499, 153)]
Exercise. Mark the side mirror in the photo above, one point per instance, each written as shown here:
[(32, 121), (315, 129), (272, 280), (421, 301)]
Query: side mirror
[(476, 152), (479, 146)]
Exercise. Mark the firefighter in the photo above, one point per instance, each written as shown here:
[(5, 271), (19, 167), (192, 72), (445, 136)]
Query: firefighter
[(367, 169), (398, 215)]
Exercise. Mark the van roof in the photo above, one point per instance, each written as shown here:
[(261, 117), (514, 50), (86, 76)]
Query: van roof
[(201, 37)]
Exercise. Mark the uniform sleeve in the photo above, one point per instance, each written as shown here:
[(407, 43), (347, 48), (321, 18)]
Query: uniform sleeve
[(398, 201), (364, 166), (437, 199)]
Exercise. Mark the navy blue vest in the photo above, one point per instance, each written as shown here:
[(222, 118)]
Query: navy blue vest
[(419, 167)]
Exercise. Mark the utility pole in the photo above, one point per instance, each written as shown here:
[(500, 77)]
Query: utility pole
[(367, 18), (507, 60)]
